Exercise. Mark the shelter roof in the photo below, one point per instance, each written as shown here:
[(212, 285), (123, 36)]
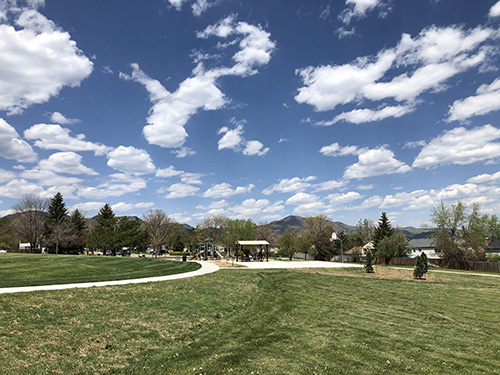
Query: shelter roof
[(252, 243)]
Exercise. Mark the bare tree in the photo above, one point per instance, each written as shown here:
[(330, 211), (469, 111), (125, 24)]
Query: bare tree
[(158, 225), (214, 227), (29, 223)]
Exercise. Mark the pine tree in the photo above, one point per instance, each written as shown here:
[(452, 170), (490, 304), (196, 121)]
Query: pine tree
[(369, 262), (57, 230), (419, 269), (57, 211), (384, 229), (79, 225), (425, 262), (103, 235)]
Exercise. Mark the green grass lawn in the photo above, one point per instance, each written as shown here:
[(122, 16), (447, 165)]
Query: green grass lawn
[(323, 321), (37, 269)]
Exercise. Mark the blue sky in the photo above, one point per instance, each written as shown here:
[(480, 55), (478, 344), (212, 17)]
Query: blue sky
[(251, 109)]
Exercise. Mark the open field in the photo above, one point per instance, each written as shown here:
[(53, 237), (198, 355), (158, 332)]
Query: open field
[(36, 269), (237, 321)]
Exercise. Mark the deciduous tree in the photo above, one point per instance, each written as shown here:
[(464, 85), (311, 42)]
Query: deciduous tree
[(159, 226), (29, 221), (320, 229)]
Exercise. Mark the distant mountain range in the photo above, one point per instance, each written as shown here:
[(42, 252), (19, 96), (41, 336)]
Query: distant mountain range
[(296, 223)]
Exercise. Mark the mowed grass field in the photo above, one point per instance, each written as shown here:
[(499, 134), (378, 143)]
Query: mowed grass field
[(37, 269), (236, 321)]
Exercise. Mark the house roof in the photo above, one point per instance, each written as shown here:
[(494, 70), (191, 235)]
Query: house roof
[(423, 242), (494, 245), (252, 243)]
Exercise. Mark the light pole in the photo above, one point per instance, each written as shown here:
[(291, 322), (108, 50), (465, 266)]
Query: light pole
[(335, 238)]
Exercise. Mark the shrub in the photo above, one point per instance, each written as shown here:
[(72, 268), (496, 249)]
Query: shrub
[(494, 258)]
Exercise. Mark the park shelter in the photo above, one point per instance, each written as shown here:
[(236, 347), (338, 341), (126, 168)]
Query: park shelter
[(261, 244)]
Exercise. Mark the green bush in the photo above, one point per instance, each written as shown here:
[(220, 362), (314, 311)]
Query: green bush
[(494, 258), (179, 253)]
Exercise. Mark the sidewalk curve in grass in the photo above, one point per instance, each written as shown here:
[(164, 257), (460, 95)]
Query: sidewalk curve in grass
[(205, 268), (295, 264)]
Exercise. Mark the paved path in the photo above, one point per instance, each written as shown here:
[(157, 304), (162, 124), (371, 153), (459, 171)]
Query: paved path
[(206, 267), (295, 264)]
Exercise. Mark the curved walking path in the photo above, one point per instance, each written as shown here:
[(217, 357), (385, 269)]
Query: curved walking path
[(205, 269), (296, 264)]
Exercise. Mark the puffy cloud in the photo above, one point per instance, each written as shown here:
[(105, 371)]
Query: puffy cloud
[(59, 118), (302, 198), (130, 160), (494, 10), (213, 205), (168, 172), (171, 111), (231, 139), (40, 60), (336, 150), (118, 185), (47, 177), (328, 185), (255, 148), (375, 162), (122, 206), (339, 199), (6, 175), (88, 206), (225, 190), (179, 191), (290, 185), (198, 6), (359, 116), (328, 86), (186, 177), (55, 137), (482, 178), (250, 207), (182, 152), (428, 61), (487, 100), (460, 146), (274, 208), (66, 162), (17, 188), (360, 9), (12, 147)]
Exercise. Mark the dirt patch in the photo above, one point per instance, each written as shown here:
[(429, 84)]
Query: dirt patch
[(380, 273), (225, 264)]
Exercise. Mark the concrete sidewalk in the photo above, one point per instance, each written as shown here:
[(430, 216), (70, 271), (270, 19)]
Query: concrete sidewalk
[(205, 269), (295, 264)]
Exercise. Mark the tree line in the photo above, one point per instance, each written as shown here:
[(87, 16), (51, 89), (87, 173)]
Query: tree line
[(459, 232)]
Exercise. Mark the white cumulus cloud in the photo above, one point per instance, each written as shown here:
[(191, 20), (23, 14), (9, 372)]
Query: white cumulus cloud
[(12, 146), (130, 160), (38, 60), (460, 146)]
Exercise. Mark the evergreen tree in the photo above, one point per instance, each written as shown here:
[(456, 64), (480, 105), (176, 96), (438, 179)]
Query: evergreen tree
[(178, 245), (57, 229), (425, 262), (103, 235), (130, 234), (79, 225), (420, 267), (384, 229), (369, 262)]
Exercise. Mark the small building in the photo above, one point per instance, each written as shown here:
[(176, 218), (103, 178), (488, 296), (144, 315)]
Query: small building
[(492, 248), (24, 246), (424, 245)]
